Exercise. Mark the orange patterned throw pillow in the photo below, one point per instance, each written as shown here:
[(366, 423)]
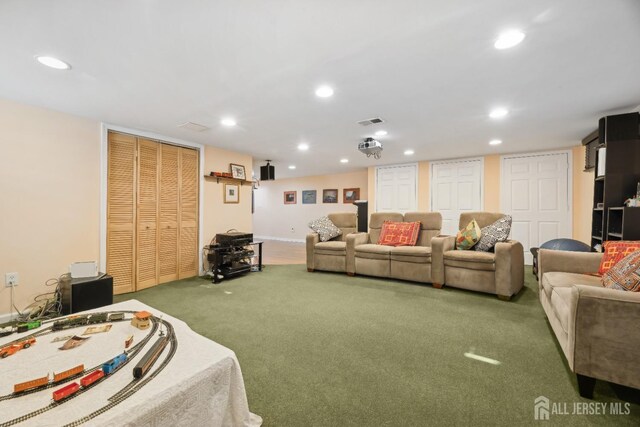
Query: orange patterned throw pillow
[(614, 251), (625, 275), (399, 233)]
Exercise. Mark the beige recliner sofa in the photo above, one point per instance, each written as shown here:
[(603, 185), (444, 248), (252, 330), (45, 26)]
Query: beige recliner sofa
[(331, 255), (500, 272), (412, 263), (596, 327)]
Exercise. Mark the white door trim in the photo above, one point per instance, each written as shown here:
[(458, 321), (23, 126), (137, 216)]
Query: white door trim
[(415, 165), (444, 162), (105, 128), (569, 154)]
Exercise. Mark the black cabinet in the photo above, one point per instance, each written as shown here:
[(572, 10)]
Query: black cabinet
[(228, 261)]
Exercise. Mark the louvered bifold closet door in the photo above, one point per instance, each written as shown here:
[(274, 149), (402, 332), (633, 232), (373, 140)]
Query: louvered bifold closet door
[(188, 213), (169, 203), (147, 217), (121, 211)]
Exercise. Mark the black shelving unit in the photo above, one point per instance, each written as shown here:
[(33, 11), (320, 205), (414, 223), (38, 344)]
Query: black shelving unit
[(623, 223)]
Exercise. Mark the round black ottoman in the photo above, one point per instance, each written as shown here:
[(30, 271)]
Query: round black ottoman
[(559, 245)]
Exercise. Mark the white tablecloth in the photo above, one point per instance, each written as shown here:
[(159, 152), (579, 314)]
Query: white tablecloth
[(201, 386)]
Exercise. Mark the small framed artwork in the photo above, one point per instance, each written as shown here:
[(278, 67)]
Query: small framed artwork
[(290, 197), (231, 193), (309, 197), (350, 195), (237, 171), (330, 196)]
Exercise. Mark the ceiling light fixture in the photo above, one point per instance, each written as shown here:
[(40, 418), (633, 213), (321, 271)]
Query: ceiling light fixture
[(324, 92), (344, 160), (52, 62), (408, 152), (509, 39), (303, 146), (495, 142), (292, 167), (498, 113), (228, 121), (381, 133)]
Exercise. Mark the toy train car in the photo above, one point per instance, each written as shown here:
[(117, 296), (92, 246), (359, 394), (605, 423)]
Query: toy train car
[(91, 378), (116, 316), (86, 319), (28, 385), (150, 358), (68, 373), (65, 391), (27, 326), (114, 363)]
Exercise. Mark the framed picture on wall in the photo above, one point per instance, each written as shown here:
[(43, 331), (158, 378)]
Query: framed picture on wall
[(237, 171), (231, 193), (330, 196), (309, 197), (290, 197), (350, 195)]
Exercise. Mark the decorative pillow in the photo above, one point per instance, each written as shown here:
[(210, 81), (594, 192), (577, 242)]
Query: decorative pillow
[(614, 251), (625, 275), (326, 229), (494, 233), (468, 236), (399, 233)]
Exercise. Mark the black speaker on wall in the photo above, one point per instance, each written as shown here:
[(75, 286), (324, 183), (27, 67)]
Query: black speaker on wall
[(85, 294), (267, 172)]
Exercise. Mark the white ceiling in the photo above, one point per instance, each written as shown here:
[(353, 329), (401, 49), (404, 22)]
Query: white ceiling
[(427, 67)]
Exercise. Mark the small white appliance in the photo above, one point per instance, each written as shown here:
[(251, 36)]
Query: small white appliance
[(83, 269)]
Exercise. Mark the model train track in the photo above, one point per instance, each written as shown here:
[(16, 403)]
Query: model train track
[(123, 394)]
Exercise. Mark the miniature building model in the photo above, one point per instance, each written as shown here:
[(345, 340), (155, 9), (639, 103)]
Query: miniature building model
[(141, 319)]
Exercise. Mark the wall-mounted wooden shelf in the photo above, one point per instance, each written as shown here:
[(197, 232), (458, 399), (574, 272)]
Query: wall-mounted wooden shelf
[(231, 180)]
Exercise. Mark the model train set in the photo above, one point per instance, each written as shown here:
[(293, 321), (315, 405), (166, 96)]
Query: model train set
[(74, 381)]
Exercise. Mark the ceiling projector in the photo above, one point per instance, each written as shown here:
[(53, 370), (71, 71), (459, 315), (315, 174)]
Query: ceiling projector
[(371, 147)]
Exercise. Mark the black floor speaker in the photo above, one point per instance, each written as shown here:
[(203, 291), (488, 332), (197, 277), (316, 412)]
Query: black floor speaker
[(86, 293)]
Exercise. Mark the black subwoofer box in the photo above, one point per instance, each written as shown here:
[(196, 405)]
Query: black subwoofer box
[(86, 293)]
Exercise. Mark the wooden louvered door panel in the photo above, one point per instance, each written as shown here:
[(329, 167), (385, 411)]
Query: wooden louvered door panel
[(168, 208), (188, 214), (147, 215), (121, 211)]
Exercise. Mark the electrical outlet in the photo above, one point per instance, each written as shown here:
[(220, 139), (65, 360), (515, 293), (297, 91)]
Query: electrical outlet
[(11, 279), (293, 230)]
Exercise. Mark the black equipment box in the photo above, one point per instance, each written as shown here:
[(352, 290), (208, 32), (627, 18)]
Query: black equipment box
[(86, 293), (236, 238)]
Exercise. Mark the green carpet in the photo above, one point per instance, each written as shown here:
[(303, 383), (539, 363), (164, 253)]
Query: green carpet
[(325, 349)]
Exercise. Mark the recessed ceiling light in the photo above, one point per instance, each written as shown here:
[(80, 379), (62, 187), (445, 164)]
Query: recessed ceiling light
[(303, 146), (381, 133), (408, 152), (509, 39), (495, 142), (228, 122), (324, 92), (292, 166), (344, 160), (52, 62), (498, 113)]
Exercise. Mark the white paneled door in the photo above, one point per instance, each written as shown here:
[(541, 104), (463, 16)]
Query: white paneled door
[(535, 191), (396, 188), (456, 187)]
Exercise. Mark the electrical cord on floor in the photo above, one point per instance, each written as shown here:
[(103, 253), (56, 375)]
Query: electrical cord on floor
[(44, 306)]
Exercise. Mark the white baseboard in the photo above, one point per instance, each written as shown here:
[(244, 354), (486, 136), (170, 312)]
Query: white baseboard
[(6, 317), (282, 239)]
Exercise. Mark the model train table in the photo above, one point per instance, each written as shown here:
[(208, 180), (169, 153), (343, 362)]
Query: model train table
[(193, 381)]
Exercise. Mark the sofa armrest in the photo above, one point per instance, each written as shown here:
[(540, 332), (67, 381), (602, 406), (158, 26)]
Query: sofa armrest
[(605, 337), (567, 261), (312, 239), (353, 240), (440, 245), (509, 267)]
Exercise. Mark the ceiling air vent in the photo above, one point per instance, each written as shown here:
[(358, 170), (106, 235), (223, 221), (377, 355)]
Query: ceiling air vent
[(193, 126), (373, 121)]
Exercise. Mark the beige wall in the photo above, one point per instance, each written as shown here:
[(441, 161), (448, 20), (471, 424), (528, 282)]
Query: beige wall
[(492, 183), (50, 189), (582, 197), (273, 218)]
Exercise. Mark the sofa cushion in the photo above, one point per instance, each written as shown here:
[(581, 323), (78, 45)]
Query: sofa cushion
[(560, 305), (471, 260), (494, 233), (417, 254), (468, 236), (558, 279), (614, 252), (373, 251), (399, 233), (331, 248), (625, 275), (325, 228)]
